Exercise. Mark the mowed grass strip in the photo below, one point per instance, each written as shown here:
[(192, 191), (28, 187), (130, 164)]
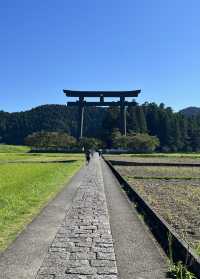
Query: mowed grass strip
[(25, 189), (17, 153), (13, 148), (37, 157)]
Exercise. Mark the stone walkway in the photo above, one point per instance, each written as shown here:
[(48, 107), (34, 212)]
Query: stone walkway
[(83, 246), (71, 238)]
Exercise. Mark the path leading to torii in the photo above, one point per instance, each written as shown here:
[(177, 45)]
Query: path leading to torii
[(83, 245), (100, 237)]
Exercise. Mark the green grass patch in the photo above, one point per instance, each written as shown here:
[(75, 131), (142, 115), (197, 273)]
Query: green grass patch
[(25, 189), (197, 248), (5, 148), (38, 157)]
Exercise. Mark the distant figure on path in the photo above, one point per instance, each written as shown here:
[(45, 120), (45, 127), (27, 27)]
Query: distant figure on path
[(100, 152), (87, 156)]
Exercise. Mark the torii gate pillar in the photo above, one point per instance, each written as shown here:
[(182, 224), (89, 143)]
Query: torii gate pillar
[(80, 117), (123, 115)]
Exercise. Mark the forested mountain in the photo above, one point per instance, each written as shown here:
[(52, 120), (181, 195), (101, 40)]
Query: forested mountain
[(190, 111), (14, 127), (175, 131)]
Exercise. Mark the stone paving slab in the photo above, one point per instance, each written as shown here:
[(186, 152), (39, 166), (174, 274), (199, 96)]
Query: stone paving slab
[(83, 246)]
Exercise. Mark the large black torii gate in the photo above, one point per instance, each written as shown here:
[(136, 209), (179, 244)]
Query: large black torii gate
[(81, 103)]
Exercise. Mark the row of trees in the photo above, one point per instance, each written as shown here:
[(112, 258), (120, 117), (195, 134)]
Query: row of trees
[(50, 139), (175, 131), (54, 140)]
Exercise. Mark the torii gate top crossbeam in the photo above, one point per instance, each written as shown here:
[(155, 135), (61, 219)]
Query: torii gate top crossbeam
[(81, 103), (72, 93)]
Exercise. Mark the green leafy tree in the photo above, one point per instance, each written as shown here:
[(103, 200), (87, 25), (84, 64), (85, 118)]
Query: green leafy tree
[(119, 140), (90, 143), (142, 142), (136, 142), (50, 139)]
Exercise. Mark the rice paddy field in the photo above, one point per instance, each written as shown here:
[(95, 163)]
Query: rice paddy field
[(173, 192), (28, 182), (174, 158)]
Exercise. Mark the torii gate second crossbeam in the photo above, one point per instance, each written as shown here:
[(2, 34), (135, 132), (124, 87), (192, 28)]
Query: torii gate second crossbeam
[(81, 103)]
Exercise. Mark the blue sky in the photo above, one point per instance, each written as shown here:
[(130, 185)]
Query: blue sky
[(49, 45)]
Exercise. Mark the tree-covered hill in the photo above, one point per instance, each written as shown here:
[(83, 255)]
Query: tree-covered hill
[(175, 131), (190, 111), (14, 127)]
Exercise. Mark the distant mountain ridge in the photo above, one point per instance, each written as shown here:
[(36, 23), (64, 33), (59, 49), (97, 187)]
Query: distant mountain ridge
[(190, 111)]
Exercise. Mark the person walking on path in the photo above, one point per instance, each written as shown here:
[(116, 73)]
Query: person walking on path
[(99, 152), (87, 156)]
